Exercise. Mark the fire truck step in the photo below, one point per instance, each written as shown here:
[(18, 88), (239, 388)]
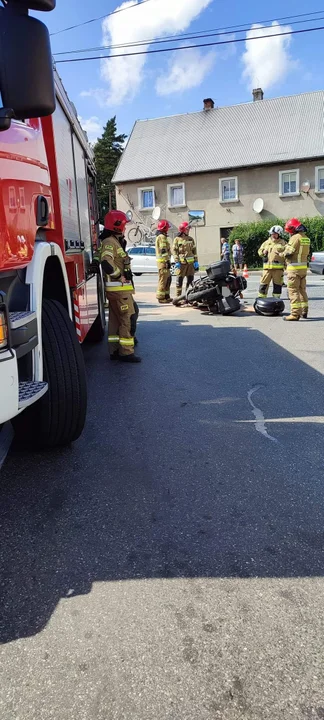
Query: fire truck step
[(30, 392), (18, 319)]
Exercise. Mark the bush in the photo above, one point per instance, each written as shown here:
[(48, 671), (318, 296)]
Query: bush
[(253, 234)]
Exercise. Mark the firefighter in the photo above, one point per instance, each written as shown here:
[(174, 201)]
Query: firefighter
[(296, 252), (273, 262), (119, 288), (185, 255), (163, 257)]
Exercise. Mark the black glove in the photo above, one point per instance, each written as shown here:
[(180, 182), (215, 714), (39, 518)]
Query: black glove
[(94, 267), (128, 275), (168, 265)]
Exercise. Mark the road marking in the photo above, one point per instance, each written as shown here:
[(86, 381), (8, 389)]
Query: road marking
[(317, 419), (259, 421)]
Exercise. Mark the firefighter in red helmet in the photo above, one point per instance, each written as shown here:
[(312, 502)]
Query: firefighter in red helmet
[(296, 253), (119, 288), (163, 257), (185, 255)]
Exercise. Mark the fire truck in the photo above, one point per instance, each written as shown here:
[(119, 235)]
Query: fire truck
[(50, 302)]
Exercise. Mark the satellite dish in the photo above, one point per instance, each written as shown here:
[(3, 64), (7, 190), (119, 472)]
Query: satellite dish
[(258, 205), (305, 186), (129, 215), (156, 214)]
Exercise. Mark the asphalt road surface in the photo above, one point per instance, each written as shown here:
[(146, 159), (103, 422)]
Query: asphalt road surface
[(169, 565)]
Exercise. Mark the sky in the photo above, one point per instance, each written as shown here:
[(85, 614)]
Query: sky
[(153, 85)]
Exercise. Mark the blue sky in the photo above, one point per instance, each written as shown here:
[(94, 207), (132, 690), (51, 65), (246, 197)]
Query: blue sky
[(167, 84)]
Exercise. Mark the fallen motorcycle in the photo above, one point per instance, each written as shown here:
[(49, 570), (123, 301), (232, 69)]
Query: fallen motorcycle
[(219, 290)]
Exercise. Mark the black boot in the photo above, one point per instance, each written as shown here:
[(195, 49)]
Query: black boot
[(130, 358), (114, 355)]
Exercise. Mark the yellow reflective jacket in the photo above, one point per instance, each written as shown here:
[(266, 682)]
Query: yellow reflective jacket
[(274, 259), (112, 251), (163, 251), (296, 252), (184, 249)]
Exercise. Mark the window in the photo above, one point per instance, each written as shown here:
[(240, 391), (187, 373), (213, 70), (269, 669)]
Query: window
[(150, 251), (176, 195), (288, 182), (319, 179), (228, 190), (146, 198)]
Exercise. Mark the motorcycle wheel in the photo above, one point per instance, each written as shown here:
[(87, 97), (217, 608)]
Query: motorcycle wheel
[(201, 295)]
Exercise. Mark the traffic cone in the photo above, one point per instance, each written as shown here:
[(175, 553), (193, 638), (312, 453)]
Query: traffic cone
[(245, 272)]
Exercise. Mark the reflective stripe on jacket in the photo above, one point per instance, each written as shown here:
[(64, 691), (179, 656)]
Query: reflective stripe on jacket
[(163, 248), (112, 251), (274, 258), (184, 249), (297, 252)]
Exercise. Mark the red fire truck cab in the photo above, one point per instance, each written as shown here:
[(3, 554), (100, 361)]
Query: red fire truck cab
[(49, 300)]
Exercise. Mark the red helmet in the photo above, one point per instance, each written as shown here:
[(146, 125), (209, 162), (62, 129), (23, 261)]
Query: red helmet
[(116, 221), (293, 226), (164, 226), (184, 227)]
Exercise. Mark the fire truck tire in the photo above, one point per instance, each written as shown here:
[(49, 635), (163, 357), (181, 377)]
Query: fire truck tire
[(97, 332), (59, 416)]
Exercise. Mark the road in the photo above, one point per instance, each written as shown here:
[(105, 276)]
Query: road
[(169, 565)]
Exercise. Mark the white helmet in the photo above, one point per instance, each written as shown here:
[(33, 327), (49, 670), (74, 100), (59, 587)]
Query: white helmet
[(276, 229)]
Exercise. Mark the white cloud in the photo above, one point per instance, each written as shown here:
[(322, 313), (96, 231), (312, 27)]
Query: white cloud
[(92, 127), (268, 60), (186, 70), (155, 19)]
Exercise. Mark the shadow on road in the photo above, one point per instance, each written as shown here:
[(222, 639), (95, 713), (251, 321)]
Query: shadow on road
[(169, 479)]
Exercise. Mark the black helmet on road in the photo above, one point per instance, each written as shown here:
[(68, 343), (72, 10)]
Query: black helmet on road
[(269, 306)]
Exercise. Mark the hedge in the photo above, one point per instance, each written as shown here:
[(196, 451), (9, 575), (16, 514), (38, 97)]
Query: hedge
[(253, 234)]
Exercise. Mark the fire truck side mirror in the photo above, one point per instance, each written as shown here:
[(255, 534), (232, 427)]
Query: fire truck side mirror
[(26, 68)]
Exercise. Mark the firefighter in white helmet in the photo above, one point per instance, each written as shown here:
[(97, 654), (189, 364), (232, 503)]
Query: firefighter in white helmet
[(273, 263)]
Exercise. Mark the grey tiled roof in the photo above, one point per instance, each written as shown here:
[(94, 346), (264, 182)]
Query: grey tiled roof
[(255, 133)]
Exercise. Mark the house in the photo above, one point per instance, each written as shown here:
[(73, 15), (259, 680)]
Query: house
[(214, 164)]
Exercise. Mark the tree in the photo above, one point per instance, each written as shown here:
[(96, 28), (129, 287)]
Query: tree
[(107, 152)]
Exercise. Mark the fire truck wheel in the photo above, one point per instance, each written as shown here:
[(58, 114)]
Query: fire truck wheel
[(97, 332), (59, 417)]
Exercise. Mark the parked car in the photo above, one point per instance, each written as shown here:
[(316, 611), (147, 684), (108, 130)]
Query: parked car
[(144, 259), (316, 264)]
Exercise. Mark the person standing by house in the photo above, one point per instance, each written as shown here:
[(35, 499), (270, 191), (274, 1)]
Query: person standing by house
[(185, 256), (273, 262), (225, 249), (238, 254), (296, 252), (163, 258)]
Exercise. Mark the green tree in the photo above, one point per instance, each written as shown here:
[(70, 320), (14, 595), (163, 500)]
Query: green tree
[(107, 152)]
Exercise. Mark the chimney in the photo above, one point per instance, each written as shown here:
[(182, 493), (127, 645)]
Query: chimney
[(257, 94), (209, 104)]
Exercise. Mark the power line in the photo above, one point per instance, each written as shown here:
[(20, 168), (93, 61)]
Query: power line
[(201, 34), (190, 47), (101, 17)]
